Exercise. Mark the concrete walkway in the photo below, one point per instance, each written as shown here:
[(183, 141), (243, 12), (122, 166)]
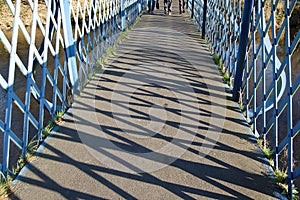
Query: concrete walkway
[(157, 123)]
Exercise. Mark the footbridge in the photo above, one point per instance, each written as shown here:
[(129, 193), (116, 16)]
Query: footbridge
[(101, 99)]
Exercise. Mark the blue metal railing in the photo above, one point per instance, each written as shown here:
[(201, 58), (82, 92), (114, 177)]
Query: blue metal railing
[(263, 68), (64, 42)]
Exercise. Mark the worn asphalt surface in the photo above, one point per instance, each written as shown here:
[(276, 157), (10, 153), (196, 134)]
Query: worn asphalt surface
[(156, 123)]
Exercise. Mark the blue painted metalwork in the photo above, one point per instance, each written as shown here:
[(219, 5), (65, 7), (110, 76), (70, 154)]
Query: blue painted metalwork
[(65, 40), (245, 26), (267, 87), (204, 18), (123, 26), (69, 43), (76, 34)]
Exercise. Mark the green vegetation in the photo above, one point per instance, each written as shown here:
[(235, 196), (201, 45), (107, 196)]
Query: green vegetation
[(281, 176), (6, 180), (123, 36), (48, 128), (226, 78), (2, 3), (5, 186), (218, 61), (33, 144), (59, 115), (51, 124), (32, 147), (268, 152), (90, 76), (242, 107), (281, 180), (102, 62)]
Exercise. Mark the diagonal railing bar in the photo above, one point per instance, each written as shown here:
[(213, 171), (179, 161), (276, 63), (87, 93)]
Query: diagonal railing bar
[(296, 86), (297, 172), (2, 125), (9, 99)]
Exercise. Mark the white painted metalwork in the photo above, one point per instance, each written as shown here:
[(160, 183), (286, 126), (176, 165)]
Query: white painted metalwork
[(64, 40)]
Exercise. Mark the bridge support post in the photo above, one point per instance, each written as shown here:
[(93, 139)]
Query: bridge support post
[(245, 28), (204, 19), (139, 6), (193, 4), (123, 26), (69, 45)]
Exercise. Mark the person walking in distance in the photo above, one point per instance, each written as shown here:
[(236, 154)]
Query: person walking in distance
[(151, 5), (168, 7), (181, 6)]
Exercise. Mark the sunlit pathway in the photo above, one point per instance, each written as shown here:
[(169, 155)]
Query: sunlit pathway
[(157, 123)]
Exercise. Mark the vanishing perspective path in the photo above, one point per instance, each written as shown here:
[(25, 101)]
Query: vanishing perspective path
[(156, 123)]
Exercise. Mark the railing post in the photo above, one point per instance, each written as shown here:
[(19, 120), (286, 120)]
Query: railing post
[(193, 4), (123, 15), (245, 27), (204, 18), (70, 45), (140, 6)]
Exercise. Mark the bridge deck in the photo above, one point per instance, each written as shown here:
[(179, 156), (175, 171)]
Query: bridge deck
[(157, 123)]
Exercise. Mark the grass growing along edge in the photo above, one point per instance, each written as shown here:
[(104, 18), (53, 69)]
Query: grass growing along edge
[(280, 175), (218, 61), (32, 146)]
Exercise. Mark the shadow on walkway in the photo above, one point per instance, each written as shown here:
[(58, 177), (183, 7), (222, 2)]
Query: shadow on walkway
[(157, 123)]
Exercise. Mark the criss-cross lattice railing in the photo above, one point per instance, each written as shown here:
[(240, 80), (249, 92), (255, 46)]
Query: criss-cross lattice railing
[(48, 50), (258, 43)]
